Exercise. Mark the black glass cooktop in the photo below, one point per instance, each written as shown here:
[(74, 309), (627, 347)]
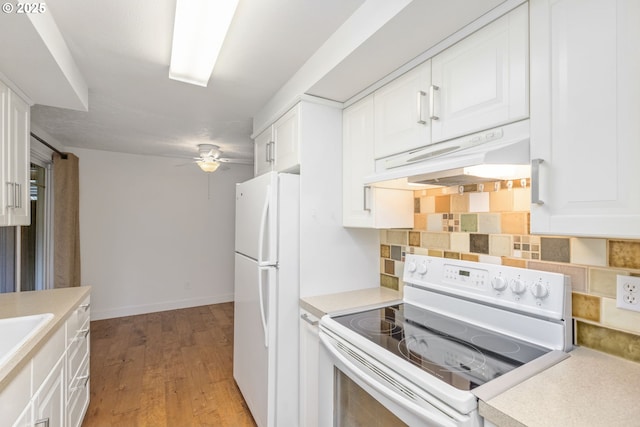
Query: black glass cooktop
[(459, 353)]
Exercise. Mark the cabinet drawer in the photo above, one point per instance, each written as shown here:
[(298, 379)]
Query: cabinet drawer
[(78, 351), (79, 396), (77, 320)]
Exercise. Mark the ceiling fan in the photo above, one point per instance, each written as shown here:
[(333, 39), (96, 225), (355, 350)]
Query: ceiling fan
[(209, 158)]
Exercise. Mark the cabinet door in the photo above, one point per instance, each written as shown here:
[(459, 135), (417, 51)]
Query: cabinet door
[(19, 167), (49, 403), (357, 162), (286, 134), (401, 113), (4, 155), (585, 106), (264, 152), (364, 205), (482, 81)]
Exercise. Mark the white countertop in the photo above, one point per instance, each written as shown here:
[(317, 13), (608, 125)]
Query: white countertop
[(589, 388), (346, 301), (59, 302)]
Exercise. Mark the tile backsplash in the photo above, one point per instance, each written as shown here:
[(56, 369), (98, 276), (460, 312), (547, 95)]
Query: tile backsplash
[(493, 226)]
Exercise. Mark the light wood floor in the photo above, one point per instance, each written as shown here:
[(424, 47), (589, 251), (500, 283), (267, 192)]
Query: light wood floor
[(170, 369)]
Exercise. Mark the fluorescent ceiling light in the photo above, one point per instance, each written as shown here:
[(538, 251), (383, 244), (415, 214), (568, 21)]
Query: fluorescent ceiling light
[(198, 32)]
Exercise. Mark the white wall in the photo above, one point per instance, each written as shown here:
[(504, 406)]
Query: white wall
[(332, 258), (155, 236)]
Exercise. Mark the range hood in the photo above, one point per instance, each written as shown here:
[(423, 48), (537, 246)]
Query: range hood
[(492, 155)]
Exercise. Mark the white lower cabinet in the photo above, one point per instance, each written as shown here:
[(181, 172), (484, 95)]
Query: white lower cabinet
[(49, 401), (52, 389), (363, 205), (309, 351)]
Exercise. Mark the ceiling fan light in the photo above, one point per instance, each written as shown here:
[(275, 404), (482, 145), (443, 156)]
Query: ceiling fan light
[(208, 166), (199, 29)]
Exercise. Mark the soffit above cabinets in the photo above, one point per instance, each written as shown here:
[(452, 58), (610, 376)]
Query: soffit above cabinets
[(37, 61), (416, 29)]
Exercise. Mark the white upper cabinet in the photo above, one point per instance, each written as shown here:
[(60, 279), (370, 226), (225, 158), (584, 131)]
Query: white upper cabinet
[(479, 83), (363, 205), (482, 81), (277, 148), (585, 117), (263, 158), (14, 158), (401, 115), (286, 135)]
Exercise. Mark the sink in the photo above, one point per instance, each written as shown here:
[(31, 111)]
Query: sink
[(16, 331)]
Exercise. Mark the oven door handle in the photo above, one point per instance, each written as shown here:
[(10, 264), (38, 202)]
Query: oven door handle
[(433, 416)]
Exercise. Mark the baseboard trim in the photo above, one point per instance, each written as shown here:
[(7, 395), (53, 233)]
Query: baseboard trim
[(97, 314)]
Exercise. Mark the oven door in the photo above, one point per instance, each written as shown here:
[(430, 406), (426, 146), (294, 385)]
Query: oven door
[(356, 390)]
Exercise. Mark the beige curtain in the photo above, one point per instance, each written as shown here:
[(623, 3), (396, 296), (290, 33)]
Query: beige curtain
[(66, 221)]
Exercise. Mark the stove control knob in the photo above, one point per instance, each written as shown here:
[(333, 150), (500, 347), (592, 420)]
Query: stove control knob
[(422, 268), (539, 290), (518, 286), (499, 283), (411, 266)]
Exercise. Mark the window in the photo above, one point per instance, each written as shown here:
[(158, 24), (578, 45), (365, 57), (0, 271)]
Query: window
[(25, 252)]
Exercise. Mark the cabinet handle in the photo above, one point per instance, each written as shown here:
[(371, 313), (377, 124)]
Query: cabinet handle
[(82, 333), (18, 195), (432, 102), (535, 182), (267, 152), (421, 120), (271, 152), (85, 307), (44, 422), (309, 320), (365, 206), (84, 384), (11, 197)]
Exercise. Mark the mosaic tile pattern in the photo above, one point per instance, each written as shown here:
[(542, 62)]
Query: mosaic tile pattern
[(526, 247), (485, 225)]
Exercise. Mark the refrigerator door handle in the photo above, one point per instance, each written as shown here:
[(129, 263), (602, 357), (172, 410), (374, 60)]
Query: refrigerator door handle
[(263, 227), (263, 317)]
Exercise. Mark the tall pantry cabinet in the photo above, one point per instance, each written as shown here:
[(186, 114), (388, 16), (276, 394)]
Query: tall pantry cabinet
[(14, 158), (585, 110)]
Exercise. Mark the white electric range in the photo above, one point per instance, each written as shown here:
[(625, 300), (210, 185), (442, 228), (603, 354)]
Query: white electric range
[(464, 331)]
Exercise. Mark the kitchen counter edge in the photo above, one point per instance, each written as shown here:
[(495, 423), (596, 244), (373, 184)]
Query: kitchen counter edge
[(344, 302), (60, 302), (565, 394)]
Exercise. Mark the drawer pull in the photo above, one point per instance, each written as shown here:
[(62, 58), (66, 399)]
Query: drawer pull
[(309, 320), (82, 333), (84, 384), (85, 307)]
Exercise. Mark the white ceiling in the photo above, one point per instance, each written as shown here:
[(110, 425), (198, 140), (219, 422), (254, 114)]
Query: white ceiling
[(123, 50)]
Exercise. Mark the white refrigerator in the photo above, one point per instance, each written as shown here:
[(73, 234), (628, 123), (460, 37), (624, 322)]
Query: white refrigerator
[(265, 347)]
